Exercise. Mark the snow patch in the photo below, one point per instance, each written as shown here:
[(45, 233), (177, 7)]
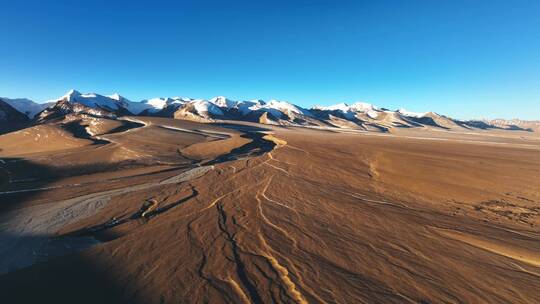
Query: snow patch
[(204, 107), (223, 102), (372, 114), (411, 114)]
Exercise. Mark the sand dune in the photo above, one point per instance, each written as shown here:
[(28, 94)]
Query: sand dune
[(41, 138)]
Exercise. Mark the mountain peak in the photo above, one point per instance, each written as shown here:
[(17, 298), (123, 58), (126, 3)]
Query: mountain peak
[(70, 94), (223, 102), (343, 107), (116, 96), (361, 106), (27, 106), (218, 98)]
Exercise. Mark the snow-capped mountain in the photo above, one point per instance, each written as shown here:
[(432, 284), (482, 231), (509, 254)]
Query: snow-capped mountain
[(159, 103), (349, 111), (74, 102), (199, 110), (158, 106), (359, 115), (278, 108), (223, 102), (111, 103), (411, 114), (344, 108), (221, 108), (27, 106)]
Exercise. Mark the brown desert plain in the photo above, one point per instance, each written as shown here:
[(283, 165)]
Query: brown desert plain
[(158, 210)]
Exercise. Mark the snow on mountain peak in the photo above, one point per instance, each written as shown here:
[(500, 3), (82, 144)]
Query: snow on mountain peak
[(283, 105), (411, 114), (350, 111), (184, 99), (70, 95), (116, 96), (343, 107), (223, 102), (159, 103), (94, 100), (362, 107), (360, 113), (275, 107), (337, 107), (204, 106)]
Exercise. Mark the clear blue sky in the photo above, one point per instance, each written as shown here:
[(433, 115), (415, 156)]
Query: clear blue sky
[(467, 59)]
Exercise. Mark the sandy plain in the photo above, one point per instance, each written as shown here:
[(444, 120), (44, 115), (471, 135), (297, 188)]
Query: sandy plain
[(233, 215)]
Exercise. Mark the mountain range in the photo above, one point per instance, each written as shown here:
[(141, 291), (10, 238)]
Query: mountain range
[(19, 113)]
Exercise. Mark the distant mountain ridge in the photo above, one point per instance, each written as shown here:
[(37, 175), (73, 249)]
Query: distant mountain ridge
[(360, 115), (26, 106), (533, 125), (11, 119)]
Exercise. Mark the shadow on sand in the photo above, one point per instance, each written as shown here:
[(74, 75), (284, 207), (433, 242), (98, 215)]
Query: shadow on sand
[(43, 268), (71, 276), (74, 278)]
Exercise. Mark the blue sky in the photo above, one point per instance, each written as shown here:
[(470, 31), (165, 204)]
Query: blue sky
[(466, 59)]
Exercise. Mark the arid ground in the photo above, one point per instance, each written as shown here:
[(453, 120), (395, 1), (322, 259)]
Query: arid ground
[(155, 210)]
